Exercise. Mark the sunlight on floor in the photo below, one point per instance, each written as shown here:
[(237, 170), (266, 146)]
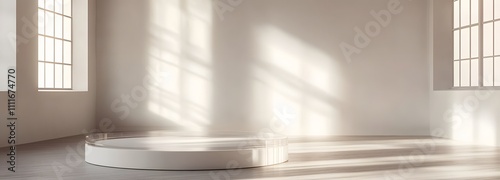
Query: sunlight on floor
[(384, 158)]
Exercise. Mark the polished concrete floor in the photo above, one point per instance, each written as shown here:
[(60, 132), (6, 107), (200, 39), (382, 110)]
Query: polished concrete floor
[(311, 158)]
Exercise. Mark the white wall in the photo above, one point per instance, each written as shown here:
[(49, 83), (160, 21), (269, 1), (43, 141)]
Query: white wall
[(465, 115), (47, 115), (267, 59)]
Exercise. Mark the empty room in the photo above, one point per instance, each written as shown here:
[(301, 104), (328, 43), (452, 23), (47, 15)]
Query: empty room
[(249, 89)]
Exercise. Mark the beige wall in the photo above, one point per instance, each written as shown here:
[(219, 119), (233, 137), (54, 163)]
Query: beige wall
[(268, 59), (48, 115)]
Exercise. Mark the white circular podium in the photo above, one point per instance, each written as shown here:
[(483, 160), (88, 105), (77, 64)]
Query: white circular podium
[(185, 151)]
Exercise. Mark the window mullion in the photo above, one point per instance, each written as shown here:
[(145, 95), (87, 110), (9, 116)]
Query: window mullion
[(481, 43), (470, 43), (54, 48), (72, 50), (63, 42), (460, 43), (493, 24), (45, 45)]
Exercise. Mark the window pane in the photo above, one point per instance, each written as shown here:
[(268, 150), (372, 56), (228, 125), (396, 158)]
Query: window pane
[(49, 75), (488, 39), (497, 36), (67, 28), (58, 6), (67, 76), (474, 49), (474, 6), (41, 3), (41, 75), (49, 49), (474, 72), (456, 72), (456, 44), (49, 4), (41, 22), (58, 51), (496, 71), (58, 26), (58, 76), (53, 48), (465, 12), (456, 12), (67, 52), (488, 10), (41, 49), (67, 7), (49, 23), (465, 43), (464, 73), (488, 71)]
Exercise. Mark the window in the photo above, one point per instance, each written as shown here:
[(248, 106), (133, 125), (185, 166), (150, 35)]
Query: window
[(476, 43), (55, 48)]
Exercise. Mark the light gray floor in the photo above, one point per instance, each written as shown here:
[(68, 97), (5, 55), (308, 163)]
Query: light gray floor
[(313, 158)]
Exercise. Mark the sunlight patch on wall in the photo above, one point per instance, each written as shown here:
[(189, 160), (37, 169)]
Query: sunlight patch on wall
[(281, 57), (199, 22), (296, 74), (163, 69), (179, 63), (197, 91), (464, 131), (320, 117), (270, 95), (486, 131), (166, 15)]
